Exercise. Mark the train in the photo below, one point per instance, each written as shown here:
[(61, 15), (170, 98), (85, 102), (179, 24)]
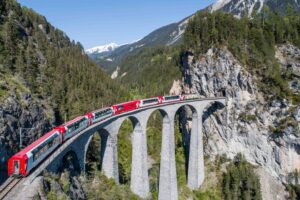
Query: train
[(23, 162)]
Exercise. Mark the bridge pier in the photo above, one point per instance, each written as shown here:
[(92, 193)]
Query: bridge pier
[(139, 167), (109, 153), (167, 174), (196, 161)]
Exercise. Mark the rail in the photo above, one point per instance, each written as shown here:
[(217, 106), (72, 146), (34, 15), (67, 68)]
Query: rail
[(8, 186)]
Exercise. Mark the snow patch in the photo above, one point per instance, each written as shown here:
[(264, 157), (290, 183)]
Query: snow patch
[(219, 4), (135, 47), (115, 73), (102, 48), (176, 35), (251, 8), (124, 74)]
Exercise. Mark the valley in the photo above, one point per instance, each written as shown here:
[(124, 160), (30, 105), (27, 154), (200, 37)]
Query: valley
[(245, 50)]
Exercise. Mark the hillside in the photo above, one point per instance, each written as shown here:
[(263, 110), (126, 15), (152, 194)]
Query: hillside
[(241, 8), (251, 149), (171, 34), (45, 79), (168, 35)]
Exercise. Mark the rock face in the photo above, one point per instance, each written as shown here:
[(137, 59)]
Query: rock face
[(76, 190), (288, 56), (21, 110), (267, 133)]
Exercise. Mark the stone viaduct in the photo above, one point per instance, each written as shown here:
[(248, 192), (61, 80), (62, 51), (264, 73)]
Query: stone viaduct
[(109, 129)]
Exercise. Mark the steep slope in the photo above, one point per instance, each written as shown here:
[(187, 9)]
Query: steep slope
[(45, 79), (167, 35), (240, 8), (256, 67), (172, 34)]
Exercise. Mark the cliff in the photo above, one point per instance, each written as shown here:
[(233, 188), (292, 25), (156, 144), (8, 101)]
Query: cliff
[(265, 131)]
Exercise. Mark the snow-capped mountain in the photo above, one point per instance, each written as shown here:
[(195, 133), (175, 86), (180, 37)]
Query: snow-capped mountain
[(102, 48), (172, 33)]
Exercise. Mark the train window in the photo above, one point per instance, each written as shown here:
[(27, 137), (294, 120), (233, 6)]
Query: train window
[(171, 97), (102, 113), (44, 147), (17, 167), (121, 107), (76, 125), (147, 101)]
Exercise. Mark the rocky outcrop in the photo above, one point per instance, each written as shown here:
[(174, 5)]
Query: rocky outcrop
[(20, 112), (266, 132), (288, 56)]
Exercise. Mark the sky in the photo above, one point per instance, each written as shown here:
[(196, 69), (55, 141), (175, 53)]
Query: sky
[(99, 22)]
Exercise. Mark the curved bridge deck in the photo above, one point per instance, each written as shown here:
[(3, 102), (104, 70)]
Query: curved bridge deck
[(168, 183)]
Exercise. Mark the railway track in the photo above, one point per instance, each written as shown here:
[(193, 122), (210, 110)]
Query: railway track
[(8, 186)]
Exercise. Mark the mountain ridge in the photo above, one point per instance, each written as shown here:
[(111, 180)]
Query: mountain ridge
[(102, 48), (171, 34)]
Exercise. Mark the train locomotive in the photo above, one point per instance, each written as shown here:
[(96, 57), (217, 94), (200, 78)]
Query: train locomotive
[(23, 162)]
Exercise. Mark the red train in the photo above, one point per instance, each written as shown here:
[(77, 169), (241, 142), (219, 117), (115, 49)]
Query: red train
[(22, 163)]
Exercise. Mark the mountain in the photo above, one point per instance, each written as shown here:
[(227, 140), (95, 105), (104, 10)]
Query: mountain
[(171, 34), (168, 35), (102, 49), (240, 8)]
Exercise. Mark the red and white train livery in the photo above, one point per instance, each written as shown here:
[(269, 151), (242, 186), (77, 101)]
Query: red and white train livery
[(22, 163)]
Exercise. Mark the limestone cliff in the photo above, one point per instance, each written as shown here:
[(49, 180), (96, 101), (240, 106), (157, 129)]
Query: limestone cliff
[(265, 131)]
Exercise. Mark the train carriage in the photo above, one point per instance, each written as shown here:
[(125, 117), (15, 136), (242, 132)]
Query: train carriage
[(174, 98), (127, 106), (24, 161), (100, 114), (74, 126), (151, 101)]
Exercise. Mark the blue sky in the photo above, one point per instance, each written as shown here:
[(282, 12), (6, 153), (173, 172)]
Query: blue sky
[(98, 22)]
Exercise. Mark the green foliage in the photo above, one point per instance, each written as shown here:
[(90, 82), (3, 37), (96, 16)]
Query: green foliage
[(102, 188), (154, 139), (125, 151), (294, 187), (246, 117), (240, 181), (53, 67), (151, 71), (251, 41), (181, 167)]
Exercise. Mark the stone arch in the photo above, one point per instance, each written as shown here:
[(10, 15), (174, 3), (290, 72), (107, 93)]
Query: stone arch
[(164, 114), (71, 161), (187, 117), (99, 139), (129, 136), (155, 120)]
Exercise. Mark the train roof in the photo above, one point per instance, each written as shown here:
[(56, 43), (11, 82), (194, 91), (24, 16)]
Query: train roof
[(126, 102), (73, 120), (35, 143), (101, 109), (151, 98)]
